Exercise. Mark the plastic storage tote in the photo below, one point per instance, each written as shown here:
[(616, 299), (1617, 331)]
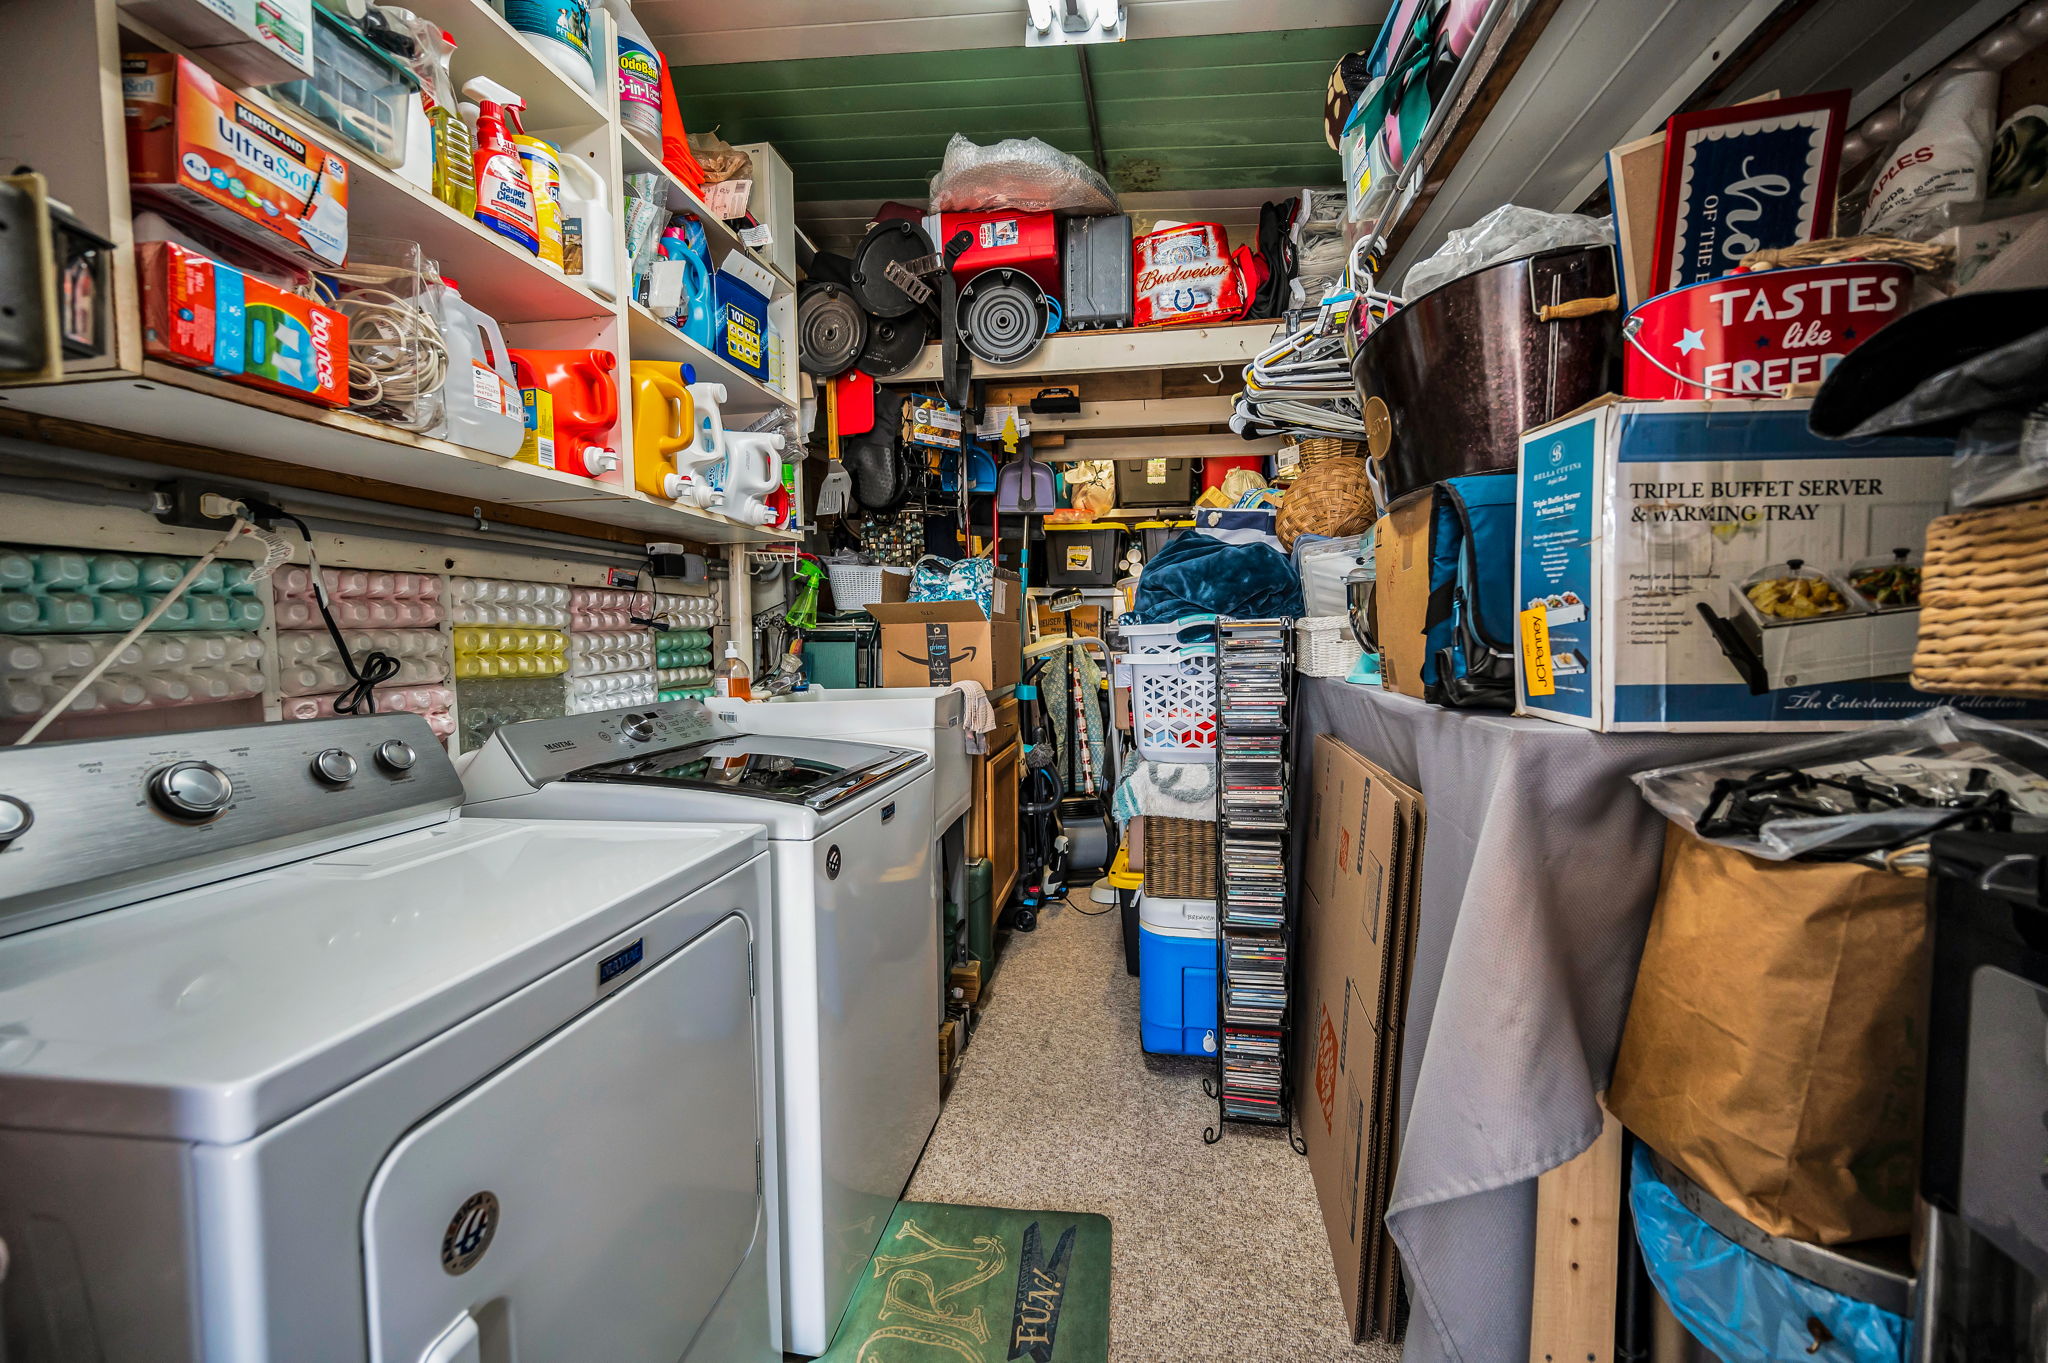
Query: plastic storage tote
[(1155, 482), (1084, 554), (356, 90), (1095, 268), (1177, 976)]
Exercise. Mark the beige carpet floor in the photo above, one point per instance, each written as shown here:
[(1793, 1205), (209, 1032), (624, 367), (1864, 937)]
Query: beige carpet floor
[(1220, 1255)]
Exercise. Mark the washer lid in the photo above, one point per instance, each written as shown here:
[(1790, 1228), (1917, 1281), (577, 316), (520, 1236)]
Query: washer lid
[(213, 1014), (819, 774)]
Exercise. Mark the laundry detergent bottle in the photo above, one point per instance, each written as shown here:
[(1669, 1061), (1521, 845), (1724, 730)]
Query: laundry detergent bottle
[(664, 425), (582, 398), (753, 473), (589, 235), (504, 196), (558, 31), (699, 465), (639, 74)]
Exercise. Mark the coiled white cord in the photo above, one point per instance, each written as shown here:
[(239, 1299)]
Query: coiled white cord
[(397, 362)]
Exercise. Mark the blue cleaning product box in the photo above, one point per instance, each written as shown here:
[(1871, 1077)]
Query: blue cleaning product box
[(1714, 566)]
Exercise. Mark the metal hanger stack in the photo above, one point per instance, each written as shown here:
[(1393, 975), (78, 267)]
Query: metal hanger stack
[(1301, 384)]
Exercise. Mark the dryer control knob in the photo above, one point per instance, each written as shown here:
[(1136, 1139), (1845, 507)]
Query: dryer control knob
[(334, 767), (639, 728), (395, 755), (190, 790), (15, 818)]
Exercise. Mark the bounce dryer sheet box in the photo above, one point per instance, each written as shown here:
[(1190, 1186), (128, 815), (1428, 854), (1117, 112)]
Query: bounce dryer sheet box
[(194, 143), (206, 315), (1714, 566)]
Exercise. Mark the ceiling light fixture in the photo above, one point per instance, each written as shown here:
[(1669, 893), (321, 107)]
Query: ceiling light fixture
[(1056, 23)]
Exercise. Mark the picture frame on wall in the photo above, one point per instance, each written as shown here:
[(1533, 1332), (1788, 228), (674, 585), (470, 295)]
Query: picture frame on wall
[(1745, 178)]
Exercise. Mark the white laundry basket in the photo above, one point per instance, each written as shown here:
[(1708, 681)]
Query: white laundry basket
[(1173, 703)]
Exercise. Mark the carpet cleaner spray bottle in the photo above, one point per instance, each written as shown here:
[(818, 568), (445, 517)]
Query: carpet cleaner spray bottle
[(504, 196)]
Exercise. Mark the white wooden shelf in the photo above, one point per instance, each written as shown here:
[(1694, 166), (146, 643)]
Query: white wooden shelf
[(654, 339), (1231, 345), (485, 45), (190, 407)]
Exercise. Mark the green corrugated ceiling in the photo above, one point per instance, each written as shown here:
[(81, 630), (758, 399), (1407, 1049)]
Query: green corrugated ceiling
[(1232, 111)]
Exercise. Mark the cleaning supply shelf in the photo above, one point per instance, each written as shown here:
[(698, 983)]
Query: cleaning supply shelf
[(510, 284), (183, 405), (1229, 344), (654, 339), (640, 159)]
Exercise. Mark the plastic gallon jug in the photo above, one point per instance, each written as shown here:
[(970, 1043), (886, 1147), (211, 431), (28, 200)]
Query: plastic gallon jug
[(588, 232), (695, 465), (753, 473), (573, 402), (683, 239), (544, 174), (664, 425), (639, 74), (480, 407), (558, 31)]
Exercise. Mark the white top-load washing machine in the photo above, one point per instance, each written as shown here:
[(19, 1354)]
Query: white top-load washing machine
[(856, 932), (297, 1065), (929, 718)]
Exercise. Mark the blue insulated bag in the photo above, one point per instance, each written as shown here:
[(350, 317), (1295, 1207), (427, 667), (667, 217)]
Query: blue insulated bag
[(1470, 624)]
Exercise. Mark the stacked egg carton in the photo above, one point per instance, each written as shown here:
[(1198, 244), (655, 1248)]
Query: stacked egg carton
[(61, 610), (682, 652), (398, 614), (511, 651), (611, 650)]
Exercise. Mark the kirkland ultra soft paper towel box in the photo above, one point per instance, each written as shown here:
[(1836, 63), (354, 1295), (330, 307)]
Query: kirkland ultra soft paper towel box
[(1715, 566)]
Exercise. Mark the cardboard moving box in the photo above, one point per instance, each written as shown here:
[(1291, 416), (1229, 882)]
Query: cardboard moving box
[(1360, 877), (936, 643)]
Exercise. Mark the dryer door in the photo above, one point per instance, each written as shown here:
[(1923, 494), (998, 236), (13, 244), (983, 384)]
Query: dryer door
[(594, 1199)]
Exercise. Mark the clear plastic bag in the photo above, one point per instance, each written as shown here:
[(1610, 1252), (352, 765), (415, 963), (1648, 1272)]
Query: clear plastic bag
[(1863, 786), (1019, 173), (1507, 233)]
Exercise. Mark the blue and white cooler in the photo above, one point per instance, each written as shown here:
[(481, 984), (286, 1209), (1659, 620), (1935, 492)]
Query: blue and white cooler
[(1177, 976)]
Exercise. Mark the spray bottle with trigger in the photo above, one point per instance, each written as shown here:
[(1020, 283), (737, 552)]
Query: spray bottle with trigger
[(504, 196), (684, 240)]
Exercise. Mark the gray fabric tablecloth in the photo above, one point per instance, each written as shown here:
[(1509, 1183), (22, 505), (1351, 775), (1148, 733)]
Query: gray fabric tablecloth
[(1539, 868)]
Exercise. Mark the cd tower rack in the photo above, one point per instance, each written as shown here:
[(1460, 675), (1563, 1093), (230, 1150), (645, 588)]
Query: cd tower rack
[(1255, 921)]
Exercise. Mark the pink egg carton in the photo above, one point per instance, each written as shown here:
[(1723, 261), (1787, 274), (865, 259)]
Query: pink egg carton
[(295, 581), (433, 702)]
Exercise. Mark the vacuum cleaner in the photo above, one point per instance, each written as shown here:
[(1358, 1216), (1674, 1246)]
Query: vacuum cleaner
[(1042, 844)]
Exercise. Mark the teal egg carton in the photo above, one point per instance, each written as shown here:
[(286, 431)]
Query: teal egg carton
[(71, 591)]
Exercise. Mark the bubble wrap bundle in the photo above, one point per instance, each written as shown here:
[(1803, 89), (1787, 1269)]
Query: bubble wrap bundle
[(1020, 173)]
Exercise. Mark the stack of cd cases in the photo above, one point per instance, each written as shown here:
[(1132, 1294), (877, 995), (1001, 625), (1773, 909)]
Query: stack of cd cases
[(1255, 942)]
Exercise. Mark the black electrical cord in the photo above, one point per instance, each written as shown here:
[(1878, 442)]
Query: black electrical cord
[(377, 667)]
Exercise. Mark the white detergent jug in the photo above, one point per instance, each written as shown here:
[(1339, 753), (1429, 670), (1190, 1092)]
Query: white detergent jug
[(480, 406), (586, 213), (753, 469), (696, 466)]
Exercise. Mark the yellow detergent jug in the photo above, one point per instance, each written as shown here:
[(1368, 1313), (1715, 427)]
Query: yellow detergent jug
[(544, 172), (664, 423)]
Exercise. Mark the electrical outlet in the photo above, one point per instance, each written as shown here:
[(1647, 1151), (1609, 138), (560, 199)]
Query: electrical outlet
[(203, 504)]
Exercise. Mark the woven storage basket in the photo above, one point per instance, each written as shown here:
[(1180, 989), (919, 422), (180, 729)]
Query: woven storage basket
[(1180, 858), (1333, 497), (1984, 603), (1317, 448), (1324, 646)]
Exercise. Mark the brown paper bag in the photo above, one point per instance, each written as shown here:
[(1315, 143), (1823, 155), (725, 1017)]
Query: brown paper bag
[(1772, 1050)]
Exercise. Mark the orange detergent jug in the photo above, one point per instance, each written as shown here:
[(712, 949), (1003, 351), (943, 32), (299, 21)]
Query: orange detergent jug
[(664, 423), (572, 402)]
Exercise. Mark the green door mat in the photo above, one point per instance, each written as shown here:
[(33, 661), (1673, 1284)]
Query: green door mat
[(983, 1284)]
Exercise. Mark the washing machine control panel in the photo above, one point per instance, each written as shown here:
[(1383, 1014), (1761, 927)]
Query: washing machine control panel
[(88, 822), (549, 749)]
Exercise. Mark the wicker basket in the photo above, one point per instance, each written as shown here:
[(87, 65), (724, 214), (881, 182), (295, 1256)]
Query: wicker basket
[(1334, 497), (1324, 646), (1180, 858), (1984, 603), (1317, 448)]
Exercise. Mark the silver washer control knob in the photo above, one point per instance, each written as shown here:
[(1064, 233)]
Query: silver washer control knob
[(15, 818), (334, 767), (639, 728), (395, 755), (191, 790)]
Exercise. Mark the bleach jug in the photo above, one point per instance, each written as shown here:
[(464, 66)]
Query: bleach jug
[(753, 472), (587, 229), (504, 196), (480, 407), (543, 167), (573, 403), (558, 31), (696, 466), (664, 425)]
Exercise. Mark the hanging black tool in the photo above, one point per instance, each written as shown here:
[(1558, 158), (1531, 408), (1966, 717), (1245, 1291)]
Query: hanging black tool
[(1041, 843), (956, 363), (831, 329)]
